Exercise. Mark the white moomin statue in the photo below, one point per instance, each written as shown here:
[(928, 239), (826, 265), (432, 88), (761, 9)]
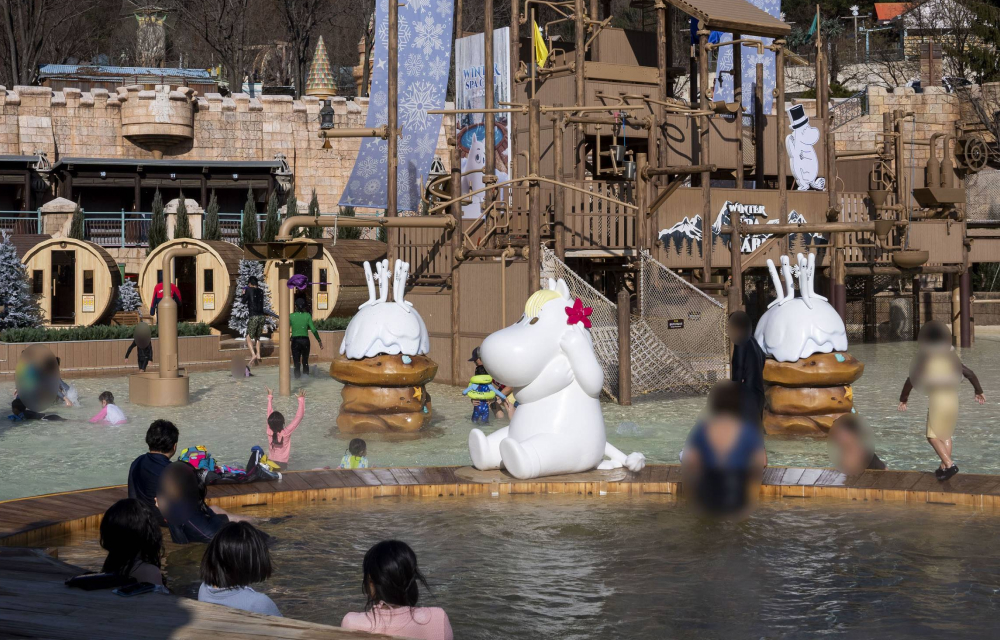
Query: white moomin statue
[(474, 162), (548, 358), (801, 154), (795, 328)]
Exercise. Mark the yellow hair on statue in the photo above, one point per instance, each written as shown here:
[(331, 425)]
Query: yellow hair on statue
[(538, 300)]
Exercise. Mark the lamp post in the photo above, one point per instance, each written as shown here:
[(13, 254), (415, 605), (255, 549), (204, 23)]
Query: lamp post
[(326, 120)]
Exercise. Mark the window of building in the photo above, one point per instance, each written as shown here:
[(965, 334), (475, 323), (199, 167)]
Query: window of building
[(88, 282), (209, 280), (37, 281), (322, 279)]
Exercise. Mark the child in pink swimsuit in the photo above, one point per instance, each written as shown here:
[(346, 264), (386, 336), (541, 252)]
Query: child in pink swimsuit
[(109, 413), (279, 434)]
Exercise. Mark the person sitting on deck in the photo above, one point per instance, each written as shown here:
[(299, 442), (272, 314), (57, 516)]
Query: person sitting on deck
[(723, 460), (133, 542), (21, 413), (110, 412), (236, 558), (390, 584), (144, 474), (181, 499)]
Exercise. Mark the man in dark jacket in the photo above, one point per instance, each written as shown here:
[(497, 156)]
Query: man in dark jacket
[(144, 474), (747, 365), (253, 298)]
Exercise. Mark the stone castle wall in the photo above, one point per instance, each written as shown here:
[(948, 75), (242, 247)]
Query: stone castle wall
[(71, 123)]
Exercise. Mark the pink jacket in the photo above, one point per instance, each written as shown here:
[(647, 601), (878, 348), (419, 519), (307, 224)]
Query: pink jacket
[(422, 623), (280, 452)]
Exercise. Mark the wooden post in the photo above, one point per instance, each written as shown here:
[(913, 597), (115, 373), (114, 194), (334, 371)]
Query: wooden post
[(915, 323), (669, 46), (490, 118), (515, 66), (758, 126), (393, 126), (738, 99), (641, 201), (456, 265), (559, 226), (535, 204), (965, 292), (581, 40), (624, 348), (459, 26), (594, 14), (661, 48), (779, 85), (736, 265), (366, 78), (956, 309), (137, 194), (704, 156)]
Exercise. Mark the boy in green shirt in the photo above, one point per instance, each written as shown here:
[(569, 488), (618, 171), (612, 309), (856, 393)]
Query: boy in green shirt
[(301, 324)]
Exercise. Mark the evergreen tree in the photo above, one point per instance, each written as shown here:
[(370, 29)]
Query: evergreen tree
[(212, 230), (314, 232), (248, 226), (76, 230), (182, 225), (271, 223), (347, 233), (979, 55), (158, 225), (292, 207), (20, 305), (239, 316), (128, 296)]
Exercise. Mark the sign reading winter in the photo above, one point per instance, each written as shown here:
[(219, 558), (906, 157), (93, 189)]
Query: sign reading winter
[(689, 230), (724, 90), (470, 93), (424, 31)]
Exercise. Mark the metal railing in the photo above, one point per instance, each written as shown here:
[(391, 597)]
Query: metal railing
[(117, 228), (849, 109), (21, 221)]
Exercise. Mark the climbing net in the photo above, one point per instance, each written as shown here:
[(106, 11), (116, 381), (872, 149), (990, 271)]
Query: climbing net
[(655, 366)]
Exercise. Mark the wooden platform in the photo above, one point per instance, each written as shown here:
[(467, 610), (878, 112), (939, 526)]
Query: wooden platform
[(34, 603), (475, 476), (31, 521)]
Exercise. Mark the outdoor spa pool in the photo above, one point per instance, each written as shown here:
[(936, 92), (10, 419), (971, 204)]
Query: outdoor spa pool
[(568, 567), (227, 416)]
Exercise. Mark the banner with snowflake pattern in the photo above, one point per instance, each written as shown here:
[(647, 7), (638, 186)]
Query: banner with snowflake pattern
[(425, 36), (724, 68)]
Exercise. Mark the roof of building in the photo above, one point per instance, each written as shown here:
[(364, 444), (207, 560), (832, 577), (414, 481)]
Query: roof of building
[(888, 10), (18, 159), (107, 72), (150, 163), (737, 16), (25, 242)]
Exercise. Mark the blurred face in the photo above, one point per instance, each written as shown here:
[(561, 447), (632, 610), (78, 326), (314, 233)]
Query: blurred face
[(736, 334)]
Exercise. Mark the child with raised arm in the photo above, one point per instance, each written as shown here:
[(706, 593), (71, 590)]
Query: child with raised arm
[(278, 433)]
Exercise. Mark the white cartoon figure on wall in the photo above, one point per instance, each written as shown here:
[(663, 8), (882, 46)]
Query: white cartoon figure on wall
[(475, 161), (801, 154)]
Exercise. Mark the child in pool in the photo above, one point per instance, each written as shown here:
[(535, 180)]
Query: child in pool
[(145, 354), (109, 412), (21, 413), (937, 369), (279, 434), (355, 458)]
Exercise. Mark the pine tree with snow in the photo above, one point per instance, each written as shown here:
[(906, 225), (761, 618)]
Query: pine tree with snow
[(271, 222), (314, 232), (212, 230), (240, 315), (128, 296), (182, 226), (248, 226), (20, 306), (76, 228), (158, 225)]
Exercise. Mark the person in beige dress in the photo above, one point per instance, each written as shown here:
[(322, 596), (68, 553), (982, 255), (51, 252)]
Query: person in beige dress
[(937, 370)]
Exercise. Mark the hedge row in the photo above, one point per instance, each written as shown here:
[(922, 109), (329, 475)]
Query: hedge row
[(332, 324), (96, 332)]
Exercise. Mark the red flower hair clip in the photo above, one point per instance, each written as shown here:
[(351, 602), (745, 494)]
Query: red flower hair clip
[(578, 313)]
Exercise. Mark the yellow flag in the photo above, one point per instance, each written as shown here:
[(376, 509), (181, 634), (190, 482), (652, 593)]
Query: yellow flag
[(541, 51)]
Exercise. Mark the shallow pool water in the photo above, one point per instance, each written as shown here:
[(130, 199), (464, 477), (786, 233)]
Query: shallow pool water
[(618, 567), (227, 416)]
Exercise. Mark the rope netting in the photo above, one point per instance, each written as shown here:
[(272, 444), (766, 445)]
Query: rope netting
[(655, 366)]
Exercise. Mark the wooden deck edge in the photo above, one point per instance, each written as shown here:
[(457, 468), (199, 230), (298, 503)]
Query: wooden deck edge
[(46, 520)]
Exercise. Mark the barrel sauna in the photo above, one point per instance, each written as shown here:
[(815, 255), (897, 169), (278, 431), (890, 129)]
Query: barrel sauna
[(338, 276), (207, 282), (76, 281)]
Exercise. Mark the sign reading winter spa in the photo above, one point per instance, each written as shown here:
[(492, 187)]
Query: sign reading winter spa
[(424, 32), (470, 93), (689, 230)]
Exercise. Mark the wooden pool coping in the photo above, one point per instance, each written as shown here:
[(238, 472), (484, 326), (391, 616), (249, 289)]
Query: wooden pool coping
[(33, 520)]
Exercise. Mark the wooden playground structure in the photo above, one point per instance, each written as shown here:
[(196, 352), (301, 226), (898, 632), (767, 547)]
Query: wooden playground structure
[(609, 164)]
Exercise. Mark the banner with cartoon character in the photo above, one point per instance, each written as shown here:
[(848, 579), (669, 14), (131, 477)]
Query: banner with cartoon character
[(724, 89), (687, 233), (424, 30), (801, 153), (470, 93)]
